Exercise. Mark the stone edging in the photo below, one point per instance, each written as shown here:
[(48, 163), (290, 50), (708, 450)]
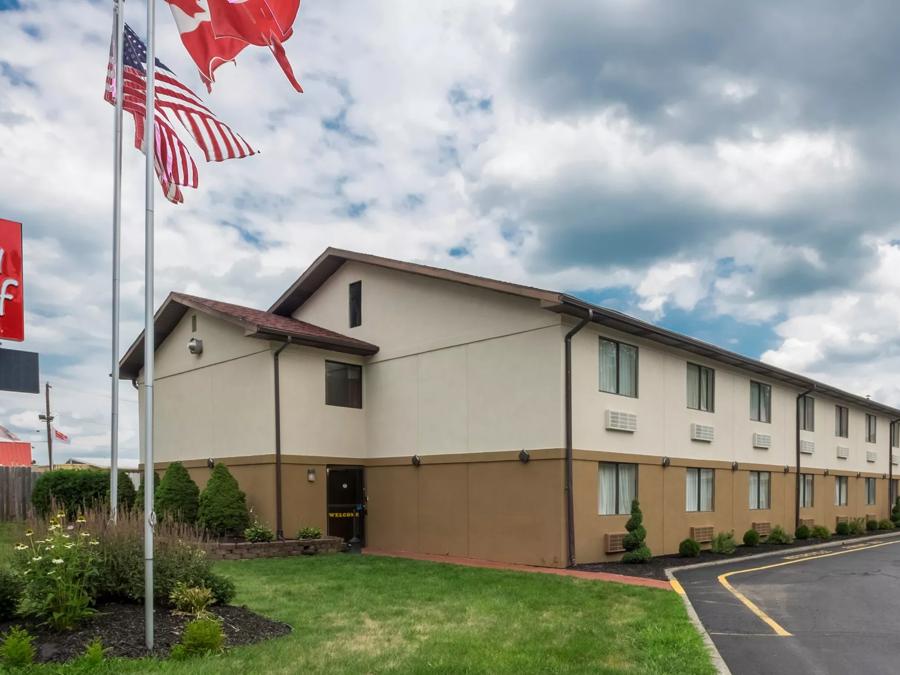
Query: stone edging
[(248, 550)]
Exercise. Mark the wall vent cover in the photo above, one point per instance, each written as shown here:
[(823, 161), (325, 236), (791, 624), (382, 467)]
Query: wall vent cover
[(807, 447), (702, 432), (621, 421), (843, 452), (615, 542), (702, 535), (895, 460), (809, 522), (871, 456), (763, 529), (762, 441), (841, 519)]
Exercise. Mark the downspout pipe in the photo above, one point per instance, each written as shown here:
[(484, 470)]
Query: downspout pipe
[(570, 497), (891, 495), (279, 523), (797, 490)]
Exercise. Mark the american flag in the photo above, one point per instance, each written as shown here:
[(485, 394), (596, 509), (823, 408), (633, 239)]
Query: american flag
[(175, 167)]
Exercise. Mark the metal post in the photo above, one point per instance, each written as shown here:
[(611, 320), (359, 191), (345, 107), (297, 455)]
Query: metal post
[(119, 14), (149, 332), (49, 419)]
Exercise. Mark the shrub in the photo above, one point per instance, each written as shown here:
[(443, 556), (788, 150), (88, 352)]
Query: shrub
[(139, 497), (778, 536), (857, 526), (802, 533), (689, 548), (309, 533), (201, 636), (751, 537), (895, 511), (885, 524), (193, 600), (17, 650), (93, 657), (223, 507), (177, 496), (10, 594), (60, 574), (842, 529), (258, 532), (723, 542), (820, 532), (871, 525), (636, 549)]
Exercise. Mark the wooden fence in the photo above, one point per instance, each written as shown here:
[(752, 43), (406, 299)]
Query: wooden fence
[(16, 483)]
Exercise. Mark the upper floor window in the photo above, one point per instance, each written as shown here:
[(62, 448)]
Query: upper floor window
[(701, 388), (699, 488), (871, 428), (760, 402), (842, 421), (808, 413), (760, 491), (355, 304), (343, 384), (618, 368), (895, 435), (617, 488)]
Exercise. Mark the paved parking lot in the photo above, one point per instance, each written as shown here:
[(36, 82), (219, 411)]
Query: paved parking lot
[(834, 610)]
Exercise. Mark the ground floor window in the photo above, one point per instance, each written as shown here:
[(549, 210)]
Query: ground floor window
[(807, 483), (759, 489), (617, 488), (870, 491), (840, 490), (699, 489)]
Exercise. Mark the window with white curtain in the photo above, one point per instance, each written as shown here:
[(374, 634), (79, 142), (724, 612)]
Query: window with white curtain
[(699, 489), (871, 428), (618, 368), (870, 491), (617, 488), (701, 388), (760, 402), (840, 490), (807, 482), (808, 413), (759, 489), (842, 421)]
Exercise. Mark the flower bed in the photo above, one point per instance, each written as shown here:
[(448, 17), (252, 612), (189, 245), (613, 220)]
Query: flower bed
[(272, 549)]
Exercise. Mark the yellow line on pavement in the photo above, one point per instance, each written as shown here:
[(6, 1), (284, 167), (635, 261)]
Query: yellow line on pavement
[(769, 621), (677, 587)]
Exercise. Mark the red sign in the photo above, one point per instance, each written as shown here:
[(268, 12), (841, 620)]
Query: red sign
[(12, 292)]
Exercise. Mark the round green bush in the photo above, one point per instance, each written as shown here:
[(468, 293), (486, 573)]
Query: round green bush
[(258, 532), (751, 537), (885, 524), (778, 536), (820, 532), (177, 496), (10, 594), (223, 506), (201, 636), (309, 533), (689, 548), (802, 533), (842, 529), (871, 525)]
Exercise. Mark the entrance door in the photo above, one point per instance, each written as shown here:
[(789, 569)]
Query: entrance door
[(347, 504)]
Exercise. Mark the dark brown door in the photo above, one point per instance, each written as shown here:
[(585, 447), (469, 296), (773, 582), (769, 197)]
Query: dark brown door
[(347, 503)]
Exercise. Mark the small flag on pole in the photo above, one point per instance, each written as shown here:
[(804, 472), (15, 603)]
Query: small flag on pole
[(7, 435), (60, 436), (175, 167)]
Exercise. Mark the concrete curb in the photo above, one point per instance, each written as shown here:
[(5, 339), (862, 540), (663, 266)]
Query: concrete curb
[(718, 662)]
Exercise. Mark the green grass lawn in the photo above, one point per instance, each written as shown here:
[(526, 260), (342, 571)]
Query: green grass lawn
[(361, 614)]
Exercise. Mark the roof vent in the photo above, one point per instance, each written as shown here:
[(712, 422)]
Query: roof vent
[(621, 421), (702, 432)]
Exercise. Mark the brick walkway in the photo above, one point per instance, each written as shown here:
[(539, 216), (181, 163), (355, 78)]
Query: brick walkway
[(489, 564)]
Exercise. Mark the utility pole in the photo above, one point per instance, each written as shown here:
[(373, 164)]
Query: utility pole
[(48, 418)]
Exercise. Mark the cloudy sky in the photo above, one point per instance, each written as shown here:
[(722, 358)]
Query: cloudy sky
[(729, 170)]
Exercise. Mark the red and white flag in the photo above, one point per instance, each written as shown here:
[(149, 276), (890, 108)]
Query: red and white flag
[(215, 31), (60, 436), (7, 435)]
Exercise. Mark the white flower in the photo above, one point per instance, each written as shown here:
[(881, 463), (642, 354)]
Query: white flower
[(94, 542), (29, 533), (69, 545), (38, 558), (21, 547), (57, 561), (85, 534), (66, 536), (70, 527)]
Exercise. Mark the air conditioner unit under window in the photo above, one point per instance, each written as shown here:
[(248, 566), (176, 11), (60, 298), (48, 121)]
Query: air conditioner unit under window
[(702, 432), (843, 452), (762, 441), (871, 456), (807, 447), (621, 421)]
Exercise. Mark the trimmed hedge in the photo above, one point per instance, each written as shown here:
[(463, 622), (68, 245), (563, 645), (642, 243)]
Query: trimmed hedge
[(636, 550), (802, 533), (78, 490), (689, 548), (177, 496), (751, 537), (842, 529), (223, 506)]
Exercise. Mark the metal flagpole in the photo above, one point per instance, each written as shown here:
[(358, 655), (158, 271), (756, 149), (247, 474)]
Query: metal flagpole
[(119, 14), (149, 333)]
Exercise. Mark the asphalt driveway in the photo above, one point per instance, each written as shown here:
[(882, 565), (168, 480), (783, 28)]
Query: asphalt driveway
[(834, 610)]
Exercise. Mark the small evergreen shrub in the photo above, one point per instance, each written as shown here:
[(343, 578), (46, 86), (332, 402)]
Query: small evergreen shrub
[(778, 536), (871, 525), (751, 537), (139, 497), (16, 649), (636, 550), (223, 506), (177, 496), (193, 600), (820, 532), (689, 548), (886, 524), (258, 532), (842, 529), (857, 526), (802, 533), (10, 594), (895, 511), (309, 533), (93, 657), (201, 636), (723, 543)]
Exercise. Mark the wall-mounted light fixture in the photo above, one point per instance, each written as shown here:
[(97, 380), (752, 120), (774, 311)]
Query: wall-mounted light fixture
[(859, 474), (195, 346), (524, 457), (416, 460), (311, 475), (883, 476), (666, 461), (734, 466), (826, 472), (786, 468)]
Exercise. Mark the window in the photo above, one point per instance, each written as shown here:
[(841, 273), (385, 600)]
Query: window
[(618, 487), (699, 489), (871, 428), (895, 435), (701, 388), (760, 402), (841, 421), (193, 323), (870, 491), (807, 413), (759, 489), (343, 384), (355, 304), (807, 483), (618, 368), (840, 490)]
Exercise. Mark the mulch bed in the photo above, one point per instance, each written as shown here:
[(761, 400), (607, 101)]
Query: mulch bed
[(656, 567), (121, 629)]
